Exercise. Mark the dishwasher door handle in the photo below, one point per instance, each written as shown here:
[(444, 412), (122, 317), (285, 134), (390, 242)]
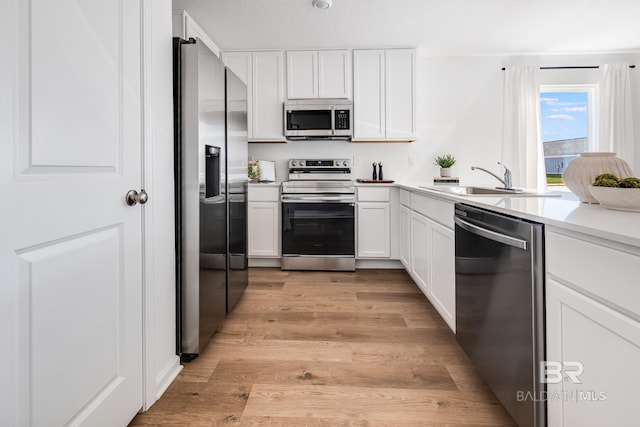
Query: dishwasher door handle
[(491, 235)]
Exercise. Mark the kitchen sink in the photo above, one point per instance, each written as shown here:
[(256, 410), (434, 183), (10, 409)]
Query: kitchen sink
[(486, 191)]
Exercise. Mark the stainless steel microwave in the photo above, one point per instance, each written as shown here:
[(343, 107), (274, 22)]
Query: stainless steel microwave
[(318, 119)]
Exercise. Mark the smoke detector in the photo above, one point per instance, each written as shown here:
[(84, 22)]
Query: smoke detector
[(322, 4)]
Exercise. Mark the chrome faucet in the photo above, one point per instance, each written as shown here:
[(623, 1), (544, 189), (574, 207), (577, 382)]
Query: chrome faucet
[(506, 182)]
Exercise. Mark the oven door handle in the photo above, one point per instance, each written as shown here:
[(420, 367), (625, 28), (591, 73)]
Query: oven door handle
[(287, 198), (491, 235)]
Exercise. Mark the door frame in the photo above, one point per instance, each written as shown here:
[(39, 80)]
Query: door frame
[(159, 368)]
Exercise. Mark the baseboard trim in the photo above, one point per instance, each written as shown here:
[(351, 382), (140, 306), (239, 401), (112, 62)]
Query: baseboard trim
[(167, 375), (264, 262), (391, 264)]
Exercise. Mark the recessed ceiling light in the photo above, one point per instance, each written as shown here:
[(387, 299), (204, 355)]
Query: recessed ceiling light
[(322, 4)]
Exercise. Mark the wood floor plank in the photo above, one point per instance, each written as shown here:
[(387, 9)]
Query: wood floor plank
[(242, 371), (371, 403), (327, 349)]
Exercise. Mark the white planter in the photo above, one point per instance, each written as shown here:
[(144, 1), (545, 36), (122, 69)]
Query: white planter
[(444, 172), (581, 172)]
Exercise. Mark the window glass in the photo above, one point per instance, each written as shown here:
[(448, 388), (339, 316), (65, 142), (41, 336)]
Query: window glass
[(564, 126)]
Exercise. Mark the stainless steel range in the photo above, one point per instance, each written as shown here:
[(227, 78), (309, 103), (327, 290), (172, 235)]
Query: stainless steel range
[(318, 216)]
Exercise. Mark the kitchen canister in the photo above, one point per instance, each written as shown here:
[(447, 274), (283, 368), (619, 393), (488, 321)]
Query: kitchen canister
[(582, 171)]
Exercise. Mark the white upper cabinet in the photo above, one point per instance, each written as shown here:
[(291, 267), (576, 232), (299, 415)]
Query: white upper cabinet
[(302, 74), (334, 74), (267, 96), (384, 94), (400, 97), (368, 94), (263, 73), (318, 74)]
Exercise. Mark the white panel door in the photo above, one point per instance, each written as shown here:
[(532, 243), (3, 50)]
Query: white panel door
[(267, 96), (442, 280), (419, 251), (70, 249), (263, 228), (334, 74), (373, 230), (368, 94), (405, 237), (606, 343), (400, 93), (302, 74)]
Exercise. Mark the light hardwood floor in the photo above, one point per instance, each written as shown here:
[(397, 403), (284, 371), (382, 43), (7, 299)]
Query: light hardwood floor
[(330, 349)]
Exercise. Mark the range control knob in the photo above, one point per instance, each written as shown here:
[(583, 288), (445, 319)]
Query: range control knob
[(294, 163), (345, 163)]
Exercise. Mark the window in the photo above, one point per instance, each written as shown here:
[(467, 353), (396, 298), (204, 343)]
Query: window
[(567, 126)]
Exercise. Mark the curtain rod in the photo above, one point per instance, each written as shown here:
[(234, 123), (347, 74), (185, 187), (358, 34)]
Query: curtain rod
[(573, 67)]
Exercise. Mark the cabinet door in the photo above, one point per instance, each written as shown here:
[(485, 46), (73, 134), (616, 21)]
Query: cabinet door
[(264, 229), (368, 94), (607, 345), (400, 94), (302, 74), (240, 64), (373, 230), (334, 74), (405, 237), (442, 279), (267, 96), (419, 251)]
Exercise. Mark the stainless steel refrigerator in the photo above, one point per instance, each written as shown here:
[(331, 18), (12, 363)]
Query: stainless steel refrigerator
[(211, 152)]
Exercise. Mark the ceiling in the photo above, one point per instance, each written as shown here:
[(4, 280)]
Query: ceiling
[(438, 27)]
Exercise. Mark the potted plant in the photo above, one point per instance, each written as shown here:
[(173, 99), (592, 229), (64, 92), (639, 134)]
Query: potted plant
[(445, 162)]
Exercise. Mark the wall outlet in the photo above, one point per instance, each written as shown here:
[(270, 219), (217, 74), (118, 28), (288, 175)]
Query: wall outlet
[(356, 160), (412, 160)]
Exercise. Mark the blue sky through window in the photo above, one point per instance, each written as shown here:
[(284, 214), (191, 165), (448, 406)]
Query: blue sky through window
[(563, 115)]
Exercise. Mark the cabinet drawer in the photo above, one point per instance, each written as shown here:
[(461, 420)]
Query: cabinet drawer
[(608, 273), (405, 198), (270, 193), (437, 210), (368, 194)]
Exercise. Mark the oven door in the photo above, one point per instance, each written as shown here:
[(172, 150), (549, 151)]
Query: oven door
[(318, 226)]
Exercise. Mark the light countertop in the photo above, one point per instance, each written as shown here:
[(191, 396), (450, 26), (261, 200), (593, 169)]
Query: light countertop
[(565, 212)]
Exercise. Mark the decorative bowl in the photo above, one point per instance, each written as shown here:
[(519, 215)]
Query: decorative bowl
[(622, 199)]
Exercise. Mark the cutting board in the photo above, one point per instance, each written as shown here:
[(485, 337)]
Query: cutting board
[(375, 181)]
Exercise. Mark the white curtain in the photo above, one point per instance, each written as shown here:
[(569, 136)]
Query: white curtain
[(521, 143), (616, 116)]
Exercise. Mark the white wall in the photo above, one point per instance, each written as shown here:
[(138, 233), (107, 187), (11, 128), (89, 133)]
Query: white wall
[(459, 112)]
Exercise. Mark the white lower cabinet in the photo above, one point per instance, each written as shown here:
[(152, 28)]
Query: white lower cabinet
[(427, 250), (442, 280), (593, 332), (373, 222), (263, 221), (419, 251), (405, 237), (264, 226), (373, 230)]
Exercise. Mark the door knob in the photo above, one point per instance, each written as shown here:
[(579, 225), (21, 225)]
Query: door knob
[(133, 197)]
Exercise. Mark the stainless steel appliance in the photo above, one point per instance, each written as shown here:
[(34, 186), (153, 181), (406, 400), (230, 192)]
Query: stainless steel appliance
[(318, 216), (500, 318), (318, 119), (211, 151)]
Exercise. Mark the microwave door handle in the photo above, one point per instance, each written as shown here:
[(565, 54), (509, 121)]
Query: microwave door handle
[(491, 235)]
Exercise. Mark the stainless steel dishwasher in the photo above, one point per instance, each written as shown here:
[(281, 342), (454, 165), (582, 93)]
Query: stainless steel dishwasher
[(500, 306)]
